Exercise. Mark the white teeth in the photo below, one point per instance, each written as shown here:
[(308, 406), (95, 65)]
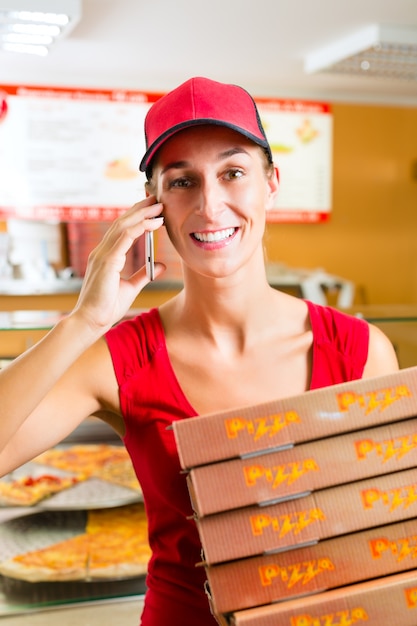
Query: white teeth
[(217, 236)]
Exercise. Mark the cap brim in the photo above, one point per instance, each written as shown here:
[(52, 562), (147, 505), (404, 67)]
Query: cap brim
[(151, 151)]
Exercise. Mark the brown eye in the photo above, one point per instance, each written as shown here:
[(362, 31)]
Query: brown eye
[(234, 173), (180, 182)]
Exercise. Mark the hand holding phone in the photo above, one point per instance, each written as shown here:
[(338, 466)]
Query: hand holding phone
[(149, 255)]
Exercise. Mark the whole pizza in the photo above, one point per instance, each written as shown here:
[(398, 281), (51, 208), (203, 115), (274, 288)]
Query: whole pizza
[(113, 546)]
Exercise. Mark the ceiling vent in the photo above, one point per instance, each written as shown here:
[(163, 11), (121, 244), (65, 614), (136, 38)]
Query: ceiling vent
[(375, 51)]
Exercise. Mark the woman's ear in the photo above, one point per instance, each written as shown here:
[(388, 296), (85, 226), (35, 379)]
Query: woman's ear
[(276, 173), (150, 188), (273, 184)]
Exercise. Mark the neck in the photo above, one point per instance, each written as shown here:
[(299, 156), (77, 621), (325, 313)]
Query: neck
[(230, 309)]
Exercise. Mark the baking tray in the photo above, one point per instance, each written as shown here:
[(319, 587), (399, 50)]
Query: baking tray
[(38, 530)]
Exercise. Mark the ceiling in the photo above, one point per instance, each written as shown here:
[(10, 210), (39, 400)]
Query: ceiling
[(259, 44)]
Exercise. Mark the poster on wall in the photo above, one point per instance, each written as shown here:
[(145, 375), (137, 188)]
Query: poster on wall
[(73, 154), (300, 136), (70, 154)]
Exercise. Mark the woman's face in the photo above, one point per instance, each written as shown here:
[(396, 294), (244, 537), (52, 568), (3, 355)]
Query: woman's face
[(215, 188)]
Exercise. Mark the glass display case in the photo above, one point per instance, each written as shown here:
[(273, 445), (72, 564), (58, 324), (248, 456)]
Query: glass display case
[(21, 329), (399, 323)]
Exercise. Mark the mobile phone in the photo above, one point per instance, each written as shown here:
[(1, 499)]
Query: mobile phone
[(149, 255)]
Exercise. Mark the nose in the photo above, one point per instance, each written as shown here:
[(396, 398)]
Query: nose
[(211, 200)]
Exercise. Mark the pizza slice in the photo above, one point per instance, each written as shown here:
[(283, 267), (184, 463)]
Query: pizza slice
[(29, 490), (66, 560), (118, 542), (123, 519), (107, 462), (83, 458), (119, 472), (117, 555)]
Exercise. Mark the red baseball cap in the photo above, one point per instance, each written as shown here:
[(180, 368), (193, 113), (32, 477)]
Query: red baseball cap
[(201, 101)]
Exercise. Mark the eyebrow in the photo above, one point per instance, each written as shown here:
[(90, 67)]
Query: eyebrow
[(175, 165), (222, 155), (232, 151)]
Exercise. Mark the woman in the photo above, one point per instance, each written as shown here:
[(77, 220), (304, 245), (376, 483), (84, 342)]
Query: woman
[(227, 339)]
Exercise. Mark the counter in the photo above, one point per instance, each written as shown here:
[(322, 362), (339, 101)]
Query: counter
[(62, 294), (21, 329)]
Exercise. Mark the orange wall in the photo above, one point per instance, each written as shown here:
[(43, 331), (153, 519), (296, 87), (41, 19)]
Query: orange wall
[(371, 237)]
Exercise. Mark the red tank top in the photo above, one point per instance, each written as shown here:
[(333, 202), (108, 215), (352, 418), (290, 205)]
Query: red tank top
[(151, 399)]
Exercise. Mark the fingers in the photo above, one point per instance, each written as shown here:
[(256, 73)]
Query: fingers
[(144, 215), (128, 227), (106, 294), (139, 279), (154, 223), (146, 209)]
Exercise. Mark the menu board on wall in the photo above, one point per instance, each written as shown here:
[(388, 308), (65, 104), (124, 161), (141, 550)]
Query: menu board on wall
[(300, 136), (73, 154)]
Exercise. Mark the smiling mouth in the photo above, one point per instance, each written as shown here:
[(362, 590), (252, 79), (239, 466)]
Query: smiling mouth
[(218, 235)]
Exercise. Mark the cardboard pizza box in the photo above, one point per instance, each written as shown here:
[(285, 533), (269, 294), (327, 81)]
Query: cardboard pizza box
[(323, 514), (279, 475), (312, 415), (388, 601), (329, 564)]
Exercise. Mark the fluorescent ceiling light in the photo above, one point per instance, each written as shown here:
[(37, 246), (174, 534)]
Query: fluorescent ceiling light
[(24, 48), (30, 29), (42, 40), (23, 29), (376, 51)]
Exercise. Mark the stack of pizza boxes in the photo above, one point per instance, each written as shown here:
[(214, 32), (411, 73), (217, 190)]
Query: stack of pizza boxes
[(306, 507)]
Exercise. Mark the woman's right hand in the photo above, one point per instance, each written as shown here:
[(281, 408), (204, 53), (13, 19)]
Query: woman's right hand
[(105, 295)]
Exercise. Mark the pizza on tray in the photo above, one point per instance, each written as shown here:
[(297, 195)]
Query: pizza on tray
[(104, 461), (110, 463), (29, 490), (113, 546)]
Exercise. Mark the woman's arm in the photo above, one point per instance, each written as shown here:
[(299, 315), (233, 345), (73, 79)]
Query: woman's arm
[(40, 407), (46, 392)]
